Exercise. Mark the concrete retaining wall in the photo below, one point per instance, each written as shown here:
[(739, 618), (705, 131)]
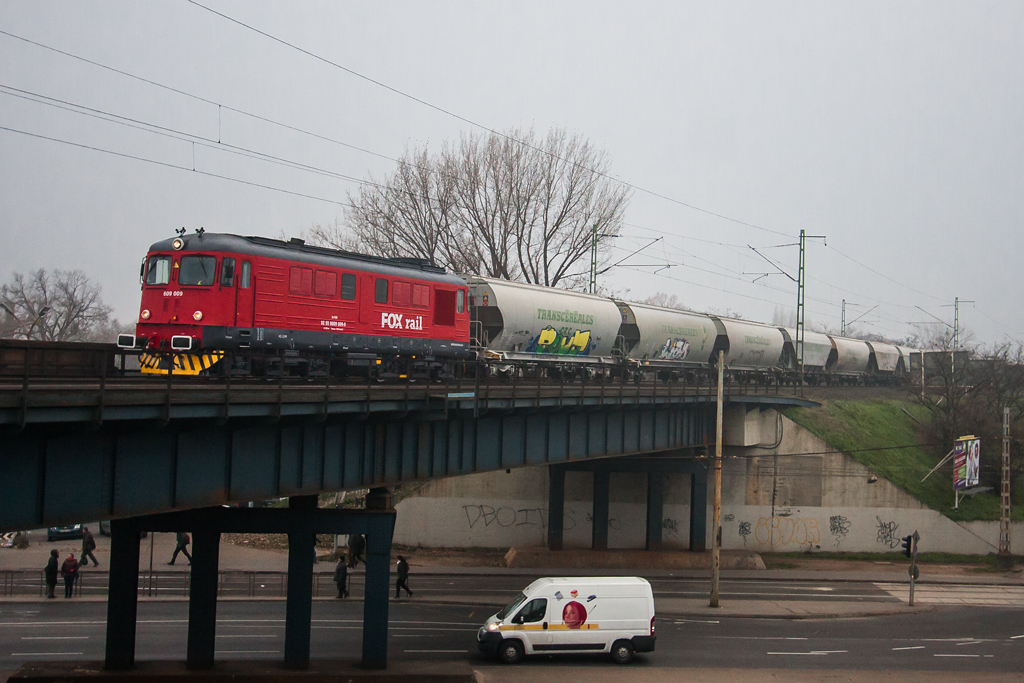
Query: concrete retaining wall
[(772, 501)]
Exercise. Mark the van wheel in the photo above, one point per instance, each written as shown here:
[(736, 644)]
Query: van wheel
[(622, 652), (511, 652)]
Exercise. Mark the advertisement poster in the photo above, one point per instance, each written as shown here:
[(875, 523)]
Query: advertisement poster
[(966, 462)]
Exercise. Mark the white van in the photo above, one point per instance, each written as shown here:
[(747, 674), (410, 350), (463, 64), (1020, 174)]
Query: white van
[(613, 614)]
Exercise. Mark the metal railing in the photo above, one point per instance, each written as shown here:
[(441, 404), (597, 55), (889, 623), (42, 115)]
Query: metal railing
[(230, 584)]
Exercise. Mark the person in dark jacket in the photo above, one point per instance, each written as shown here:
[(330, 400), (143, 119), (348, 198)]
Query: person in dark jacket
[(88, 545), (51, 574), (356, 548), (183, 541), (70, 571), (403, 577), (341, 578)]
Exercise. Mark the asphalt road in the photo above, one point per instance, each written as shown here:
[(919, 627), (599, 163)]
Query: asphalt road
[(967, 639)]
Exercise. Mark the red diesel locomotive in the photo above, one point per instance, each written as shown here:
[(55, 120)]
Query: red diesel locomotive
[(320, 309)]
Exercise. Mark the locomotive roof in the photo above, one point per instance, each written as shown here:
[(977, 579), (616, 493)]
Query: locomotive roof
[(297, 250)]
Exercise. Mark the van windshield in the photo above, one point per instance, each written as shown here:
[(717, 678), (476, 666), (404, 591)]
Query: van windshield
[(511, 607)]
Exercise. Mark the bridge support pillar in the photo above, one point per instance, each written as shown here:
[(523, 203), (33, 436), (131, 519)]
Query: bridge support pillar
[(698, 509), (202, 600), (299, 607), (122, 596), (556, 507), (602, 477), (378, 588), (655, 508)]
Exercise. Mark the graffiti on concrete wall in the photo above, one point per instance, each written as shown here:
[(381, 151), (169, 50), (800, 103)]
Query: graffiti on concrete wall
[(729, 517), (839, 527), (670, 525), (488, 515), (744, 531), (887, 533), (612, 522), (787, 531)]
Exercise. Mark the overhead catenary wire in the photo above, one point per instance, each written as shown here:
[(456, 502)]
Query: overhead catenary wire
[(476, 124), (167, 164)]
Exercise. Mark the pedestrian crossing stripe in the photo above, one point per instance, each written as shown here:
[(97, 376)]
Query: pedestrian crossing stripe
[(183, 363)]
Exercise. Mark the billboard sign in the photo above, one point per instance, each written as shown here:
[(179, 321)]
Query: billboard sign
[(966, 462)]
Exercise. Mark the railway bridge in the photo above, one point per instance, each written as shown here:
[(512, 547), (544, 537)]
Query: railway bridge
[(174, 453)]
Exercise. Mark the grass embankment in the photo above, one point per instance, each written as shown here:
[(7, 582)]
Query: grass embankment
[(857, 427)]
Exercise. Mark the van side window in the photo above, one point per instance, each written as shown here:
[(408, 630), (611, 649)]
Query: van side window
[(533, 612), (381, 293)]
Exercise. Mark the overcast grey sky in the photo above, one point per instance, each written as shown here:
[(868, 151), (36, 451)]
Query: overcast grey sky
[(894, 128)]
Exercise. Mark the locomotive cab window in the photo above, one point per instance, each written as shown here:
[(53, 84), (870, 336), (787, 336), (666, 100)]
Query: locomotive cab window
[(381, 294), (159, 270), (245, 276), (460, 302), (348, 286), (227, 272), (197, 270)]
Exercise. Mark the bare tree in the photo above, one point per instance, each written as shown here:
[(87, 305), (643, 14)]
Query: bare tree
[(665, 300), (502, 205), (59, 306)]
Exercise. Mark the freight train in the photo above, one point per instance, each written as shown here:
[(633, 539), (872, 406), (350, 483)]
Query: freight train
[(252, 305)]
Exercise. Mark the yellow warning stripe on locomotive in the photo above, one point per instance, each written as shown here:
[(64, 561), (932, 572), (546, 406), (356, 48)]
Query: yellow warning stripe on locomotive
[(184, 363)]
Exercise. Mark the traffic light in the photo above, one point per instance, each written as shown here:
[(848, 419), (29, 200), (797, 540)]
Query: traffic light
[(908, 546)]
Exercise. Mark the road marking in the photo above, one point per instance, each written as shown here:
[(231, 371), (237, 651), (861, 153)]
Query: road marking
[(246, 652), (912, 647), (1016, 637), (969, 642), (816, 653), (693, 621), (55, 637), (43, 654), (435, 651), (240, 636), (956, 655)]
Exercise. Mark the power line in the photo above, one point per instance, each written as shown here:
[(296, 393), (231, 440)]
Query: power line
[(475, 124), (176, 166), (200, 98)]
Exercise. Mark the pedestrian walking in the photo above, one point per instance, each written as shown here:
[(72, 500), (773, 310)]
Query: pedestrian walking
[(88, 545), (51, 574), (181, 547), (70, 571), (341, 578), (356, 548), (403, 578)]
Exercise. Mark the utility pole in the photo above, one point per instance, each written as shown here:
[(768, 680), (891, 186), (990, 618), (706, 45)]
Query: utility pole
[(800, 314), (956, 331), (593, 259), (843, 327), (1005, 557), (716, 533)]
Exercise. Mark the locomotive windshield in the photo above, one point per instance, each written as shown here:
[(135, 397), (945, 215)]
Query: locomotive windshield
[(197, 270), (158, 272)]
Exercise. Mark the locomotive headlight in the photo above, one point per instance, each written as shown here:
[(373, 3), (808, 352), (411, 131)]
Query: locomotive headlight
[(178, 243), (145, 314), (197, 316)]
